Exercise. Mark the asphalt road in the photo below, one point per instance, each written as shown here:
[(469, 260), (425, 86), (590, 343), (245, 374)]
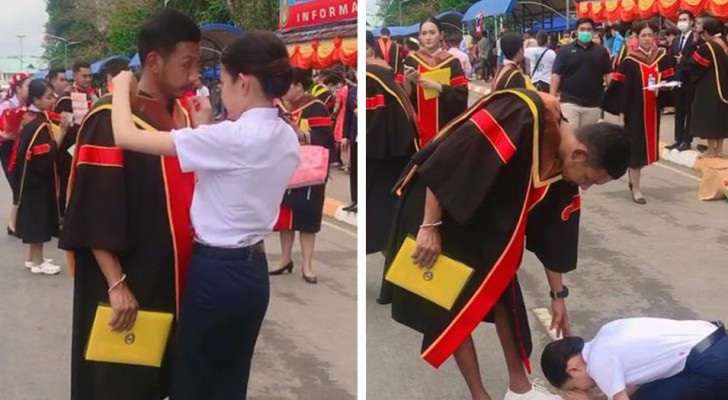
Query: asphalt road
[(306, 351), (663, 259)]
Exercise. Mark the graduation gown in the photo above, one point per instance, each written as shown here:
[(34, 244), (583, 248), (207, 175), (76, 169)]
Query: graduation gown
[(137, 207), (710, 83), (323, 94), (626, 95), (63, 157), (302, 208), (37, 186), (491, 170), (511, 77), (391, 55), (435, 113), (391, 141)]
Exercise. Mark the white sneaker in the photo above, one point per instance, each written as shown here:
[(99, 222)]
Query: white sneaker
[(29, 264), (538, 392), (46, 269)]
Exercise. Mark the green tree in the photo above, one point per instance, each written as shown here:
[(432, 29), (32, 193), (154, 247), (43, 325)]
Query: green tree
[(125, 22)]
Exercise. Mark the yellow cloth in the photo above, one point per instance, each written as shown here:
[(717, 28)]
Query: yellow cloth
[(441, 284), (144, 344)]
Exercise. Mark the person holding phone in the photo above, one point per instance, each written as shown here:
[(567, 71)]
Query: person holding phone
[(451, 98)]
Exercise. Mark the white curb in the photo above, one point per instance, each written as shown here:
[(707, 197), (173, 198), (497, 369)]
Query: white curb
[(346, 217)]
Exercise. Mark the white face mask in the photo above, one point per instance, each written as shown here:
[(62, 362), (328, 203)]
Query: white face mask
[(684, 26)]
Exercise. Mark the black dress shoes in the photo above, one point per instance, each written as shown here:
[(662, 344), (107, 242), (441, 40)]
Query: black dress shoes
[(673, 146), (684, 147)]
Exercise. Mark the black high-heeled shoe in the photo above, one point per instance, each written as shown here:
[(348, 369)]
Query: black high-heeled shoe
[(288, 268), (309, 279), (11, 232)]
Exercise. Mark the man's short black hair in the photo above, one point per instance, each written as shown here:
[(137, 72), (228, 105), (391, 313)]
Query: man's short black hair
[(511, 43), (80, 64), (609, 147), (162, 32), (584, 20), (454, 39), (385, 31), (672, 31), (555, 357), (53, 73), (686, 12)]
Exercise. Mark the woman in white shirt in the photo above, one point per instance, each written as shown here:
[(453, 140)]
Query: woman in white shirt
[(239, 187), (541, 62)]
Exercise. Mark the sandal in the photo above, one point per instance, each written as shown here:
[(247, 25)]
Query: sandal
[(46, 269)]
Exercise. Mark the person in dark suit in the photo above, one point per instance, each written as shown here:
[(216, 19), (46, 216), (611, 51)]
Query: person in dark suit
[(682, 50)]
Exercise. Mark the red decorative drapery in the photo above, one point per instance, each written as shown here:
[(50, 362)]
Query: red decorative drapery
[(630, 10), (322, 57)]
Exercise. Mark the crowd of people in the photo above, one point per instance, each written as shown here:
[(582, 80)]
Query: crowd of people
[(481, 183), (174, 221)]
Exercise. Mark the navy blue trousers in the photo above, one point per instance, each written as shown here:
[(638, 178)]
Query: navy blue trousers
[(705, 377), (222, 309)]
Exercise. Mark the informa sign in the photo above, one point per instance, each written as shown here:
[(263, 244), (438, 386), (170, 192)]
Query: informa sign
[(303, 13)]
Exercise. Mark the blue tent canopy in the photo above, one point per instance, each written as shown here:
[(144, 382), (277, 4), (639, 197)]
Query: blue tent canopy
[(489, 8), (135, 62), (42, 74), (98, 66), (558, 25), (451, 18)]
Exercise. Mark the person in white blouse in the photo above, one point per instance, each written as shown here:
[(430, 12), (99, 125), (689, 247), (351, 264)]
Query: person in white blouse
[(243, 167)]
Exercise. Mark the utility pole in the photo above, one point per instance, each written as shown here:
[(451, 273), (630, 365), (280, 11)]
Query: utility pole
[(21, 51)]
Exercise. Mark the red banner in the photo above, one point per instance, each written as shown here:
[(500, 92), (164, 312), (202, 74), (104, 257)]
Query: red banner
[(302, 13)]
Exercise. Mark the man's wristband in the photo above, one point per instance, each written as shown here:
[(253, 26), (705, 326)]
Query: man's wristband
[(115, 285), (564, 293)]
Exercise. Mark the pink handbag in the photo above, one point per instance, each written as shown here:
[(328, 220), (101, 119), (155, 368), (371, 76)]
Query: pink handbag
[(314, 167)]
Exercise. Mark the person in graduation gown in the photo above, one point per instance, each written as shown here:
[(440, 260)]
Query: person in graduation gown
[(510, 76), (451, 97), (82, 79), (710, 82), (127, 222), (390, 51), (302, 208), (36, 193), (638, 108), (476, 193), (12, 109), (321, 92), (391, 141)]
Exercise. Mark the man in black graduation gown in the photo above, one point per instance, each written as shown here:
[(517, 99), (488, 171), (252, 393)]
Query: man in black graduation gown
[(480, 194), (82, 79), (127, 222), (390, 51)]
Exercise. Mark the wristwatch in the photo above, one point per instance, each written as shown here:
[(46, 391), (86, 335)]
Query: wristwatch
[(564, 293)]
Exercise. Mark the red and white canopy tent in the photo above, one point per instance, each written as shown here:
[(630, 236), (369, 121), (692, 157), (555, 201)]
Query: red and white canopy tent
[(319, 33), (631, 10)]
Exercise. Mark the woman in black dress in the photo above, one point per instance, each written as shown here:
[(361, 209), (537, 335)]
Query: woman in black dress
[(302, 208), (709, 74), (36, 191)]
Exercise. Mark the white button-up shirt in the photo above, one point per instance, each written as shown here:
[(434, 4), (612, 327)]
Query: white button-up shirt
[(635, 351), (242, 168)]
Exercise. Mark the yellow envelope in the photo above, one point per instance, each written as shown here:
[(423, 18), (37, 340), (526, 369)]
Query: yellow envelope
[(441, 285), (303, 124), (144, 344), (441, 76)]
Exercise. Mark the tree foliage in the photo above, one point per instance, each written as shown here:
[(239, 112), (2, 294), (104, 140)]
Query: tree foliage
[(110, 26), (414, 11)]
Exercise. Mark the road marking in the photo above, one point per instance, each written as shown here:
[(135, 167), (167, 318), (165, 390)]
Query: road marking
[(544, 317), (340, 229), (673, 169)]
